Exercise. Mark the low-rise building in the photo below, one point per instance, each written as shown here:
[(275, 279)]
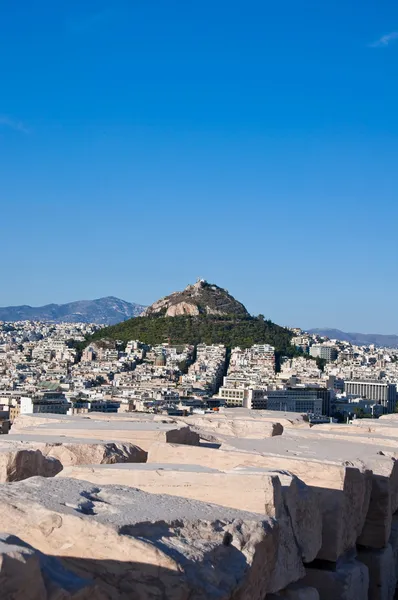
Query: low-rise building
[(42, 404), (294, 401), (378, 391)]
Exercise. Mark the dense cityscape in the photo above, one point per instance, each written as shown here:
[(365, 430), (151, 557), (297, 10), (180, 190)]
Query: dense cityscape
[(42, 371)]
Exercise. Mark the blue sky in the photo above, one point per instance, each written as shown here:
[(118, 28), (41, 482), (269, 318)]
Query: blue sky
[(255, 144)]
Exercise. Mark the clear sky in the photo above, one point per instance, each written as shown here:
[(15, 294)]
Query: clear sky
[(144, 143)]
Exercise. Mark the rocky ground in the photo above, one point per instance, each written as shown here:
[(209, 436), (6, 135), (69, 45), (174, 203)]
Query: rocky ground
[(240, 505)]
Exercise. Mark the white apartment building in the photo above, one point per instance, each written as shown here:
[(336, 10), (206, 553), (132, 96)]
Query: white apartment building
[(243, 396), (328, 353), (31, 406)]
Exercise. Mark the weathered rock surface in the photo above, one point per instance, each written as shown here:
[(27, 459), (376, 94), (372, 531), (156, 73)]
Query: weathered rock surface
[(20, 572), (200, 298), (343, 492), (393, 542), (375, 457), (95, 453), (135, 544), (382, 573), (197, 522), (287, 420), (74, 451), (358, 433), (245, 428), (307, 444), (18, 464), (348, 580), (26, 574), (140, 433), (24, 421), (295, 591), (272, 493)]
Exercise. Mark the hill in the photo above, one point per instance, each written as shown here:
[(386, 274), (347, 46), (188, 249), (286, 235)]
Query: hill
[(210, 329), (201, 313), (201, 298), (360, 339), (106, 311)]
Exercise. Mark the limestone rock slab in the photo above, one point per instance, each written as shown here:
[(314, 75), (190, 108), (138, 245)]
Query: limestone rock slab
[(235, 427), (26, 574), (384, 468), (22, 457), (344, 581), (288, 420), (139, 433), (272, 493), (382, 572), (393, 542), (295, 591), (343, 491), (18, 464), (106, 453), (135, 544)]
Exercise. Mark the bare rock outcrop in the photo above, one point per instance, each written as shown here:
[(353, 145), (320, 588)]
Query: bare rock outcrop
[(201, 298), (17, 464), (28, 456), (105, 453), (27, 574), (182, 308), (134, 544)]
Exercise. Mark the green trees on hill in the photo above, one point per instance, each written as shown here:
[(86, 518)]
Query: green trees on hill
[(229, 330)]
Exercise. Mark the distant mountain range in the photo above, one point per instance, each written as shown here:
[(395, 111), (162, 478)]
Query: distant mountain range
[(107, 311), (361, 339)]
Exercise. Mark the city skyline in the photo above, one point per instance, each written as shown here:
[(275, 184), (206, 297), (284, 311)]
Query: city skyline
[(142, 146)]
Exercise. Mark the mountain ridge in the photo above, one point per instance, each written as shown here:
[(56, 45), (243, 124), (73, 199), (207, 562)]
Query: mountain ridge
[(361, 339), (108, 310)]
